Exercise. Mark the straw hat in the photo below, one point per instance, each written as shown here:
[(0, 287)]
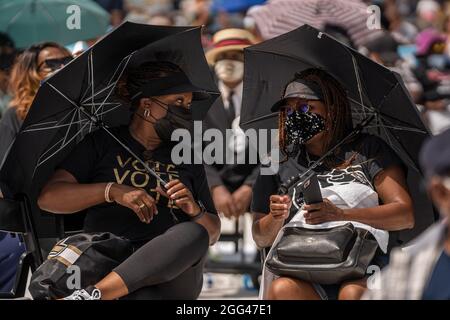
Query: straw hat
[(228, 40)]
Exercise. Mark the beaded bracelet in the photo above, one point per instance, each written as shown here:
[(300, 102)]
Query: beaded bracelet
[(107, 189)]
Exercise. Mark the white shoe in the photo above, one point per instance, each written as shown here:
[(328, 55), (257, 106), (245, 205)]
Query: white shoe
[(85, 295)]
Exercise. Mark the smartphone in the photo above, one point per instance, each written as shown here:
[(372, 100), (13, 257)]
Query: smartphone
[(311, 189)]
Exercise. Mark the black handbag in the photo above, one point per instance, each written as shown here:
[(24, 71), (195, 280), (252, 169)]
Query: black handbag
[(93, 254), (323, 256)]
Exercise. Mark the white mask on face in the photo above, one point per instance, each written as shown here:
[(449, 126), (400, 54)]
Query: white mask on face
[(229, 70)]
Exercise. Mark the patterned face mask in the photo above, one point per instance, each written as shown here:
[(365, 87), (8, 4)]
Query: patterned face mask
[(302, 126)]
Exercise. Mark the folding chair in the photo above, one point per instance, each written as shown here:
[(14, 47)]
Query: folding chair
[(15, 217)]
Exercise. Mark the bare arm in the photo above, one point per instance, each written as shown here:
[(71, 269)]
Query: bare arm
[(63, 194), (396, 212), (266, 226), (265, 229), (212, 224)]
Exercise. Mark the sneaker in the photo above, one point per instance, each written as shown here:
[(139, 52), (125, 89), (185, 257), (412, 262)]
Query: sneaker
[(91, 293)]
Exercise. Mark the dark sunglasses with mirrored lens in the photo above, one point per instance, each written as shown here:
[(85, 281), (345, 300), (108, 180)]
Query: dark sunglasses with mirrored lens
[(299, 107)]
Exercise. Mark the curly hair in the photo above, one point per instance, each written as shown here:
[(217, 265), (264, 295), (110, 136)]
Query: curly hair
[(339, 118), (25, 77)]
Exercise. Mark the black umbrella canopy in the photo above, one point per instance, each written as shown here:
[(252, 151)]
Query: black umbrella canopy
[(60, 114), (371, 88)]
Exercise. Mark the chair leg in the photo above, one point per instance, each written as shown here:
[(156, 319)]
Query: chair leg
[(236, 233), (22, 275), (30, 235), (20, 283)]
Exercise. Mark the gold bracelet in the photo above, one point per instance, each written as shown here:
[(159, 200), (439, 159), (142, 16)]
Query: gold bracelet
[(107, 189)]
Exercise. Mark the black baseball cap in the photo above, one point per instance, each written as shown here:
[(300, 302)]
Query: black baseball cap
[(174, 83), (435, 155), (299, 88)]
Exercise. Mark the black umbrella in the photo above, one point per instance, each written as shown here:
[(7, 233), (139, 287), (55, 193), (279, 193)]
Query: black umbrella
[(376, 94), (79, 98)]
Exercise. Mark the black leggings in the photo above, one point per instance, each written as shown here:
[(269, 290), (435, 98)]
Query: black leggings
[(169, 266)]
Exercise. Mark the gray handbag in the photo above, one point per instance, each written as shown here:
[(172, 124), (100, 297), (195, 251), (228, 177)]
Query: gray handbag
[(323, 256)]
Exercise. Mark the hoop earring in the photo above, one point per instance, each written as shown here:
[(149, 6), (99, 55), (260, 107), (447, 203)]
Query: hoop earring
[(146, 112)]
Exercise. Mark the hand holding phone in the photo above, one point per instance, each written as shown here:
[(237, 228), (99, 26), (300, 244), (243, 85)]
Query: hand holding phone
[(311, 189)]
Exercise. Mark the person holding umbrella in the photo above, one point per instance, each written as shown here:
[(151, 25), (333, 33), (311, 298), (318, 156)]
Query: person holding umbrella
[(33, 65), (169, 225), (362, 181)]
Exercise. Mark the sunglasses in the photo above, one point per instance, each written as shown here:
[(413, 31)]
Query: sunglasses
[(298, 107), (55, 64)]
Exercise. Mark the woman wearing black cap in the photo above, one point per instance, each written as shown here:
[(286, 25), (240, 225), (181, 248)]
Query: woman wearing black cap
[(362, 181), (120, 197)]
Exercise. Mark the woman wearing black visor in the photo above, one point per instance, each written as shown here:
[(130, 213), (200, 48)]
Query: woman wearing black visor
[(120, 197), (363, 181)]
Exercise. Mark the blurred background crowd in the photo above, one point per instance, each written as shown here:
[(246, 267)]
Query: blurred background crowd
[(414, 40), (411, 37)]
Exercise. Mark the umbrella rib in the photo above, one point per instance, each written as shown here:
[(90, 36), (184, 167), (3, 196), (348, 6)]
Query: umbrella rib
[(97, 104), (397, 150), (88, 84), (281, 55), (53, 127), (384, 115), (91, 71), (114, 85), (40, 124), (84, 99), (63, 95), (13, 19), (69, 126), (399, 128), (58, 142), (110, 110), (118, 67), (385, 132), (56, 123), (59, 149), (358, 81)]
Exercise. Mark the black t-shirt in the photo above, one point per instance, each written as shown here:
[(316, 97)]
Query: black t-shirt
[(369, 155), (98, 158)]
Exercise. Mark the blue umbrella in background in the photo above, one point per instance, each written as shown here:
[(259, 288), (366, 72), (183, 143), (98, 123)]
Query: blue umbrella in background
[(62, 21), (232, 6)]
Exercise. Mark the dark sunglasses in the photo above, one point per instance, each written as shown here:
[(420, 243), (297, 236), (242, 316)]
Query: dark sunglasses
[(55, 64), (298, 107)]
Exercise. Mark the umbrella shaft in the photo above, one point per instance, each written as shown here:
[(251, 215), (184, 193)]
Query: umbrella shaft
[(146, 166), (100, 124), (284, 188)]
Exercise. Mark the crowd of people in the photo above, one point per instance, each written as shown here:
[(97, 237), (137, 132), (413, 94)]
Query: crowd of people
[(314, 114)]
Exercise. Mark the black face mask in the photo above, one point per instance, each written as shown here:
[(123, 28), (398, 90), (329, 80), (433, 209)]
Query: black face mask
[(176, 118), (302, 126)]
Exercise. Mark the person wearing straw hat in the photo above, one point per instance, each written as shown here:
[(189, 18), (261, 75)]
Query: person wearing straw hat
[(230, 183)]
